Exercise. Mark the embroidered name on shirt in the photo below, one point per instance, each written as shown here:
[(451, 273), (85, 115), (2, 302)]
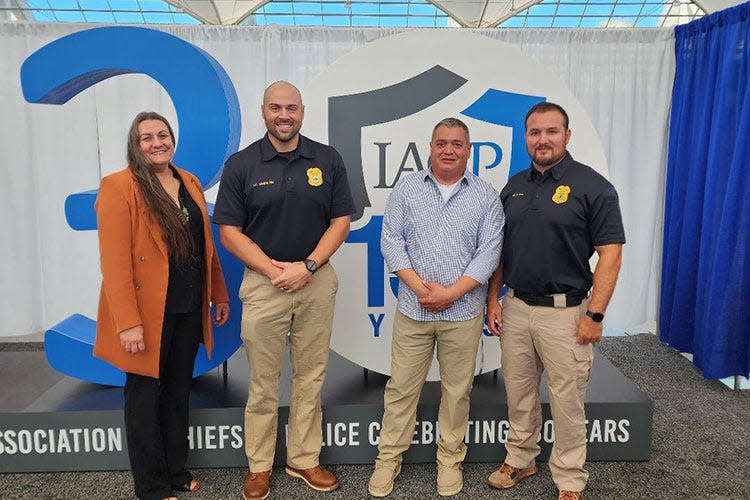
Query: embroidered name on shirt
[(516, 195), (561, 194), (264, 183)]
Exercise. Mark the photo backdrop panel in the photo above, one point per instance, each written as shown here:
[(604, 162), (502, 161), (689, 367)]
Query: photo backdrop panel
[(622, 78)]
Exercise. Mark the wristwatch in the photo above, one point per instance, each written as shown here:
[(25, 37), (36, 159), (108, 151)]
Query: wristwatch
[(595, 317), (311, 265)]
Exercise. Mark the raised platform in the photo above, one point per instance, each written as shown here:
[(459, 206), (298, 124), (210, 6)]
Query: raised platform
[(54, 423)]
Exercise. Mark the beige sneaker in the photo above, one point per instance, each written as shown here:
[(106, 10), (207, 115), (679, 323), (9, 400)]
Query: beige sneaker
[(450, 479), (381, 481), (508, 476)]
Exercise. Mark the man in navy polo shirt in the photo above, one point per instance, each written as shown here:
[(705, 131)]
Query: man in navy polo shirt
[(558, 213), (284, 208)]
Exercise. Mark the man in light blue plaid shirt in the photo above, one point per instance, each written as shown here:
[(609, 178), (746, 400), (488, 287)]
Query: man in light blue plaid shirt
[(442, 236)]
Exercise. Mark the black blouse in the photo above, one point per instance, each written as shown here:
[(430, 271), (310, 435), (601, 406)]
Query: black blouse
[(185, 288)]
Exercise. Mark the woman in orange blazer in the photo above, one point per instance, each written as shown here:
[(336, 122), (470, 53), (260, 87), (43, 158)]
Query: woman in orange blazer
[(160, 272)]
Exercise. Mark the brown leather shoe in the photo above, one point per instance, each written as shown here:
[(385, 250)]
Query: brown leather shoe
[(570, 495), (508, 476), (257, 485), (317, 477)]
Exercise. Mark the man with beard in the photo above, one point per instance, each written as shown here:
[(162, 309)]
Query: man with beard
[(558, 213), (284, 208)]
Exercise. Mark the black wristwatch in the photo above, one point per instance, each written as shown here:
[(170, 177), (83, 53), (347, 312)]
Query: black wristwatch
[(311, 265), (595, 317)]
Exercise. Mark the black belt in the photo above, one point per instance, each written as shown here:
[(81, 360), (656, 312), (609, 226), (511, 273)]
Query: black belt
[(571, 298)]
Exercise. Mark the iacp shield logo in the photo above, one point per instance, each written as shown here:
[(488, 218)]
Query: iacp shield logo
[(377, 106)]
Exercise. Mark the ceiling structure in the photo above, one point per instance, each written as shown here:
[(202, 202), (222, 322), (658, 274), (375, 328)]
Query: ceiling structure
[(465, 13), (218, 11), (382, 13), (525, 13), (417, 13)]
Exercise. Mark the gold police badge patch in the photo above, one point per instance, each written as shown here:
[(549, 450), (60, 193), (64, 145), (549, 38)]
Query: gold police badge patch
[(314, 176), (561, 194)]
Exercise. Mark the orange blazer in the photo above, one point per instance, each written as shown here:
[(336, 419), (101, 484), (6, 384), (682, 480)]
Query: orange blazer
[(135, 272)]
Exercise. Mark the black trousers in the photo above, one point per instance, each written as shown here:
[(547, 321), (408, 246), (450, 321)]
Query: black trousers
[(156, 411)]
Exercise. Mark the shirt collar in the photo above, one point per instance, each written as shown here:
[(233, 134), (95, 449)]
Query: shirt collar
[(268, 152), (557, 171), (427, 174)]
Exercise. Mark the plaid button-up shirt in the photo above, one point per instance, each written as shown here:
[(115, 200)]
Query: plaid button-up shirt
[(443, 240)]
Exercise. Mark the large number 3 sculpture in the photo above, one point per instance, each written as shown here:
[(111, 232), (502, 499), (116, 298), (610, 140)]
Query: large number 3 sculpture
[(209, 123)]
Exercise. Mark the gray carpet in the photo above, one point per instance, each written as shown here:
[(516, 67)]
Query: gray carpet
[(700, 451)]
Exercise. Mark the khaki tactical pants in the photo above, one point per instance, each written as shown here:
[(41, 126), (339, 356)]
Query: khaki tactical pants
[(268, 315), (536, 338)]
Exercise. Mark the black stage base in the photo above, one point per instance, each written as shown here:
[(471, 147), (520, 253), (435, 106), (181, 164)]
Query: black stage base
[(63, 424)]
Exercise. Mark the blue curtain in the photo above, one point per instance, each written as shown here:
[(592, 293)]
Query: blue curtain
[(705, 296)]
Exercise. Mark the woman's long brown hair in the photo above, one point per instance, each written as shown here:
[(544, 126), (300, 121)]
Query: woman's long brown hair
[(160, 206)]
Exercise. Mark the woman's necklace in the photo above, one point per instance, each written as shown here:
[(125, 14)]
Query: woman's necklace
[(183, 214)]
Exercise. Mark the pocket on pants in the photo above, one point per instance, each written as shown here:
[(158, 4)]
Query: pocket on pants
[(335, 281), (584, 356), (251, 282)]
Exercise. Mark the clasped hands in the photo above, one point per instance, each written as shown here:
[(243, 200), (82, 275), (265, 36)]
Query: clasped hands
[(435, 297), (290, 276)]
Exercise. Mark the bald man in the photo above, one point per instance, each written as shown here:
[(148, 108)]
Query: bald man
[(283, 209)]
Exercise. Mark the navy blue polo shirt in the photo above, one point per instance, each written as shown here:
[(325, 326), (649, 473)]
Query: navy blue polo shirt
[(284, 202), (553, 221)]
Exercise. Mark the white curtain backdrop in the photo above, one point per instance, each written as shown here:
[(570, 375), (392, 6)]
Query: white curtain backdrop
[(623, 78)]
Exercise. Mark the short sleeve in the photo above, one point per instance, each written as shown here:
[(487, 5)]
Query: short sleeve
[(230, 201), (341, 197), (605, 220)]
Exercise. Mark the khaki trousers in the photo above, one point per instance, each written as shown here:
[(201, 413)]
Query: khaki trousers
[(536, 338), (268, 315), (412, 348)]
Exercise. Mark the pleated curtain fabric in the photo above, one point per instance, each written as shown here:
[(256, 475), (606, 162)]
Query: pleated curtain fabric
[(622, 78), (705, 294)]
